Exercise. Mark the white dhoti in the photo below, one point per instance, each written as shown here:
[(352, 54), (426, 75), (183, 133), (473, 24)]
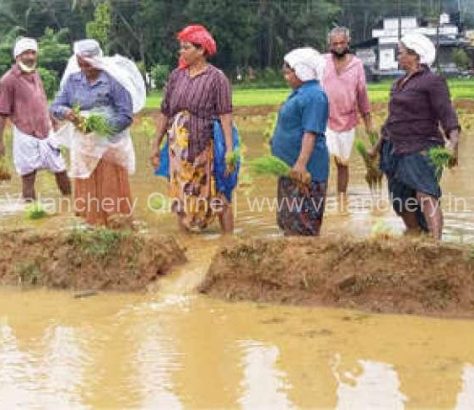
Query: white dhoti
[(340, 144), (32, 154)]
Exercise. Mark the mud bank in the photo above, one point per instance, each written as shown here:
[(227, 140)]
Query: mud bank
[(389, 275), (86, 260)]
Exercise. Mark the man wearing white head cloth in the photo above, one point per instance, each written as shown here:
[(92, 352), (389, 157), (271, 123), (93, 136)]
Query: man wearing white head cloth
[(113, 89), (419, 108), (23, 101), (299, 140)]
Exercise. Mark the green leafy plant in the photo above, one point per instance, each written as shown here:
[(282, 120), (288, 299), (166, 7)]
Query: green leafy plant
[(95, 122), (100, 125), (269, 165), (441, 158), (35, 211), (159, 74), (101, 243), (233, 158), (50, 81), (373, 175)]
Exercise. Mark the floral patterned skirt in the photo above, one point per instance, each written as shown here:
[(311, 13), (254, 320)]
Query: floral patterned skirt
[(300, 207), (192, 186)]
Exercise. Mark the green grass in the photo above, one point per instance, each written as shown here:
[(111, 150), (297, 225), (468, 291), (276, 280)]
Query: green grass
[(28, 273), (35, 211), (378, 93), (101, 243), (241, 98)]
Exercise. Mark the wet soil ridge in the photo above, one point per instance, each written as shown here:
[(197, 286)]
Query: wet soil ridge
[(382, 274), (100, 259)]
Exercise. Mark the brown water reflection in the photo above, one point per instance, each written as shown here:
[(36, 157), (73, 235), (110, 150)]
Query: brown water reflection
[(171, 348)]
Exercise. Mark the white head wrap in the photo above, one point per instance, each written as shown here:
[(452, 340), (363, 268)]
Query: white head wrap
[(422, 46), (88, 48), (306, 62), (24, 44), (123, 70)]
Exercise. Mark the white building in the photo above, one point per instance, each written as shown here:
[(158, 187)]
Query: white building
[(388, 37)]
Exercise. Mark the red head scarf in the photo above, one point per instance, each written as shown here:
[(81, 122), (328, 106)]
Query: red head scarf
[(198, 34)]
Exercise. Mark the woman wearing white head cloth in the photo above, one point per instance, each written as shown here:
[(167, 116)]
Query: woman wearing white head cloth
[(419, 107), (113, 88), (299, 140)]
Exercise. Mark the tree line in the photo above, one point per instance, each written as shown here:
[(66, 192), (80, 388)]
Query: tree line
[(249, 33)]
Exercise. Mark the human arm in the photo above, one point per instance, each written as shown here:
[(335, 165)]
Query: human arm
[(123, 108), (3, 121), (440, 101), (61, 108), (6, 109)]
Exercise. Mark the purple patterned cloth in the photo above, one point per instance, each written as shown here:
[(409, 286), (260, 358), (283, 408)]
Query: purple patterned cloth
[(205, 97), (300, 208)]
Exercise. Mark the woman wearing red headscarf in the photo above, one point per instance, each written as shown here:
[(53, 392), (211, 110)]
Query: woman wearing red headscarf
[(196, 94)]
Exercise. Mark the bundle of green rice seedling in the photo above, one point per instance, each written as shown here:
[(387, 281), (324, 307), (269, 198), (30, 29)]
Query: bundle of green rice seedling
[(373, 138), (441, 158), (5, 173), (35, 211), (233, 158), (95, 122), (99, 124), (269, 165), (373, 174), (361, 149)]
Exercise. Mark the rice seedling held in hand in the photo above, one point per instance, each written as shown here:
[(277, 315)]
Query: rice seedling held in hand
[(373, 175), (232, 159), (99, 125), (269, 165), (96, 123), (80, 122), (441, 158), (373, 138), (5, 173)]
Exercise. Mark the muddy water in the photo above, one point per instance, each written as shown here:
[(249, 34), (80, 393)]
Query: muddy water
[(171, 348)]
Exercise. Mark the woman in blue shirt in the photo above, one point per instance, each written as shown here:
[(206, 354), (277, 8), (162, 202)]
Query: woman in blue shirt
[(100, 164), (299, 140)]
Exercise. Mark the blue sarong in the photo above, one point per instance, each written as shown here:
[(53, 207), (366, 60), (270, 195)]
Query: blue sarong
[(408, 174)]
